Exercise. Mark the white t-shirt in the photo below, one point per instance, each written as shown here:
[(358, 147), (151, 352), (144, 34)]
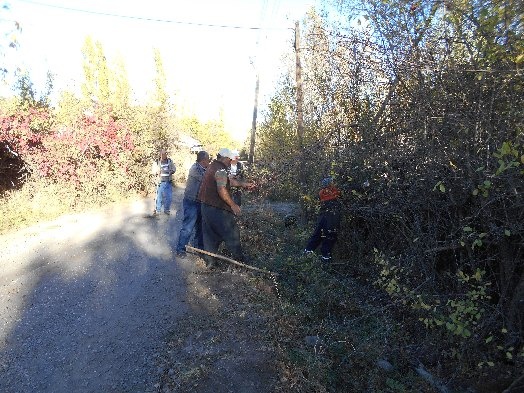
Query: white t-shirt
[(233, 170)]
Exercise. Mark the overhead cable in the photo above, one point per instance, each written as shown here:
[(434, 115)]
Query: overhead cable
[(158, 20)]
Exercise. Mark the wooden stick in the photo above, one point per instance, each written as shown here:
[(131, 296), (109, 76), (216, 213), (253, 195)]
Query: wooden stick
[(443, 248), (198, 250)]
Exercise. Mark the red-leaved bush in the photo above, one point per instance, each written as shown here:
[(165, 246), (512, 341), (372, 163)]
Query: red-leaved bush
[(96, 147)]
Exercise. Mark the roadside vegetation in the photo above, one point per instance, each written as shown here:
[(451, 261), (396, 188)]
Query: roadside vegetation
[(91, 149), (415, 109)]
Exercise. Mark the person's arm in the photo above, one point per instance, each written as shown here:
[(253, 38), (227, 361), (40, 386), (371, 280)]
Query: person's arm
[(240, 183), (224, 194), (221, 179)]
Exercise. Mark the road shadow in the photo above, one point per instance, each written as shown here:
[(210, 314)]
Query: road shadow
[(86, 306)]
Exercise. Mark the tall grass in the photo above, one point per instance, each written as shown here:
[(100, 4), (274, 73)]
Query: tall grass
[(40, 200)]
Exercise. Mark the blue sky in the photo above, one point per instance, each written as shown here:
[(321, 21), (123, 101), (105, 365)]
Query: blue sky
[(207, 67)]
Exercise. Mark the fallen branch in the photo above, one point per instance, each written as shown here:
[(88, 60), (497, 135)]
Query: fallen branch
[(232, 261), (443, 248)]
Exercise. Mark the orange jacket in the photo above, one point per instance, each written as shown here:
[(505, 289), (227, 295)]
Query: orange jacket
[(329, 193)]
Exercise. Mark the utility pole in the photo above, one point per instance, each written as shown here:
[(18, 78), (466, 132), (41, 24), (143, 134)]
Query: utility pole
[(251, 158), (300, 95), (300, 123)]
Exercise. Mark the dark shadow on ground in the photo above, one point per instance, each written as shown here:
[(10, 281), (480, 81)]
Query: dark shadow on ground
[(88, 311)]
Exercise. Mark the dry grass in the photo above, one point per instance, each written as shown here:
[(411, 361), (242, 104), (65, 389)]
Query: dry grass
[(39, 201)]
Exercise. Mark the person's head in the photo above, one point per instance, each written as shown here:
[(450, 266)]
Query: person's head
[(225, 156), (203, 158), (163, 154), (237, 156)]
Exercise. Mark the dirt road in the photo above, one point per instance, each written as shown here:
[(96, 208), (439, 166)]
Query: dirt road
[(97, 302)]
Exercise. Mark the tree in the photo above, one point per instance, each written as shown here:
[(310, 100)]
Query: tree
[(8, 40), (120, 89), (423, 99), (160, 131), (96, 85)]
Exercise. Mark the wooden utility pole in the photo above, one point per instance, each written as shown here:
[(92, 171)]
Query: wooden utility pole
[(251, 158), (300, 95), (300, 124)]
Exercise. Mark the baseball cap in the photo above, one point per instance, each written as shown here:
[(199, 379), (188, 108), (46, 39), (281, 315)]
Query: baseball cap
[(326, 181), (236, 153), (224, 152)]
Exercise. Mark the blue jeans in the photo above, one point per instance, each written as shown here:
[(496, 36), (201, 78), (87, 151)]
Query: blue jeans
[(220, 226), (164, 194), (325, 234), (192, 220)]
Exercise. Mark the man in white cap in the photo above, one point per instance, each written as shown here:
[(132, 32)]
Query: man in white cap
[(219, 209), (236, 172)]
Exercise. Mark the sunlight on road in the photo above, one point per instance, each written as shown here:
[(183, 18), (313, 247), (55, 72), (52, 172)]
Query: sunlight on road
[(72, 247)]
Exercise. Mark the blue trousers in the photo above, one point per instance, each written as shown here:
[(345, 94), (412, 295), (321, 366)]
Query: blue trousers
[(192, 220), (164, 194), (220, 226)]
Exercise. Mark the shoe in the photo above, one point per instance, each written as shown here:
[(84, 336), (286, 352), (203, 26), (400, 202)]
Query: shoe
[(167, 212), (308, 252), (181, 254), (155, 213), (324, 259)]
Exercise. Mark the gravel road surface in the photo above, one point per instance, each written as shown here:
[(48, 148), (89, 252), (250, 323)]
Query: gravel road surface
[(87, 301)]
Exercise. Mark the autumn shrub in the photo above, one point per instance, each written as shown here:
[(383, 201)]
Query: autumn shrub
[(331, 329), (89, 162), (13, 169), (23, 130)]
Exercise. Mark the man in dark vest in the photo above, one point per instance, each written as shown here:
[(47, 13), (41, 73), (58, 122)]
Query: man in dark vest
[(218, 208)]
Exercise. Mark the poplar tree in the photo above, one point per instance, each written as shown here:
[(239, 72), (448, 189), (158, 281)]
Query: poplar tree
[(96, 72), (160, 133)]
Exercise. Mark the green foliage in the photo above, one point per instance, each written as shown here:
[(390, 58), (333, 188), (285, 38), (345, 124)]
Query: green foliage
[(463, 313), (509, 156), (95, 87), (120, 90), (68, 109), (331, 329), (277, 137), (160, 95), (413, 100), (24, 207), (211, 134)]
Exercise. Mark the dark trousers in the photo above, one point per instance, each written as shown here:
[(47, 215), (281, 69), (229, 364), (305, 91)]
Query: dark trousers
[(192, 220), (220, 226), (236, 195), (325, 236)]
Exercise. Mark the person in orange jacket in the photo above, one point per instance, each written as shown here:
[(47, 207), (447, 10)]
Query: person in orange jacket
[(328, 223)]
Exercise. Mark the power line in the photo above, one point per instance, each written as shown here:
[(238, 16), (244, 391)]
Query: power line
[(154, 19)]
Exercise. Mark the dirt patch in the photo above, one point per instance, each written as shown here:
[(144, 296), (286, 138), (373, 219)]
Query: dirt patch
[(224, 345)]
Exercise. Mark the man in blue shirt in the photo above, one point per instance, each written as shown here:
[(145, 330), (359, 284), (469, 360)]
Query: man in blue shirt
[(192, 216)]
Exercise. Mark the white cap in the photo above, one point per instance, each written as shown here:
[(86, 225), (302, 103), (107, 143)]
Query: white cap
[(236, 153), (224, 152)]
